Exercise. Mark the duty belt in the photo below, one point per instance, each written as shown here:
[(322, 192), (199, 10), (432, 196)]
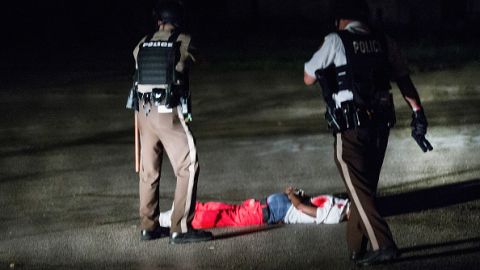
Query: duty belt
[(157, 97), (351, 116)]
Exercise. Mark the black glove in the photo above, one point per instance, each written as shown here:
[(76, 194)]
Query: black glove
[(419, 129)]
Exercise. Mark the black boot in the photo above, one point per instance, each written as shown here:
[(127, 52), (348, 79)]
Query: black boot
[(378, 256), (156, 233), (190, 237), (358, 254)]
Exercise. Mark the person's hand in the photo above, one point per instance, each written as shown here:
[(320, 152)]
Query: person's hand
[(419, 129), (299, 192), (289, 190)]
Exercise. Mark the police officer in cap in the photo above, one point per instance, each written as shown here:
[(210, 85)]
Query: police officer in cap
[(162, 61), (354, 66)]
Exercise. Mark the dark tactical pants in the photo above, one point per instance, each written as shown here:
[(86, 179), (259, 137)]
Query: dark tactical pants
[(359, 155)]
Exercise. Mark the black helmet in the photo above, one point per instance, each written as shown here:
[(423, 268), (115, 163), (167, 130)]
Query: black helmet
[(169, 12), (351, 9)]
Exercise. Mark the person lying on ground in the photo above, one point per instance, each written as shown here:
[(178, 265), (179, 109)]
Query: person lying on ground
[(289, 207)]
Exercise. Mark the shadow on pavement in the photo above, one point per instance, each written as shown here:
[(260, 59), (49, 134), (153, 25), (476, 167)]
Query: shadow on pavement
[(440, 250), (431, 198), (244, 231)]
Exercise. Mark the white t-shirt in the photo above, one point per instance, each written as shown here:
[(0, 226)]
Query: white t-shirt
[(330, 210)]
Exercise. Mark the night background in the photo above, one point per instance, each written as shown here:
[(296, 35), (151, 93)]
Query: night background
[(68, 190), (60, 34)]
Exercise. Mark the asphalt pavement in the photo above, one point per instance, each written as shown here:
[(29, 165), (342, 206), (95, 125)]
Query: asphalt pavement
[(68, 191)]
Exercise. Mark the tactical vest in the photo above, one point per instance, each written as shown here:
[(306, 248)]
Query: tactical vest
[(367, 71), (157, 60)]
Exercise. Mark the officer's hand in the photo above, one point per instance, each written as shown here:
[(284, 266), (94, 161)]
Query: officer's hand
[(419, 129)]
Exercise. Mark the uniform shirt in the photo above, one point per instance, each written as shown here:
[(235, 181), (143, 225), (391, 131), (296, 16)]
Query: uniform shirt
[(330, 210), (332, 51)]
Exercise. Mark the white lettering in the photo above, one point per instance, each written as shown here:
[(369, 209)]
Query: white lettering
[(367, 47), (156, 44), (356, 47), (362, 47)]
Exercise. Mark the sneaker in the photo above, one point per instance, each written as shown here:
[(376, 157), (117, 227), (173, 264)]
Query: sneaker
[(156, 233), (190, 237)]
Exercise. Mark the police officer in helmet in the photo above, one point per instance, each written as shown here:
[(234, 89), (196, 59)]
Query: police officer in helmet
[(354, 67), (162, 61)]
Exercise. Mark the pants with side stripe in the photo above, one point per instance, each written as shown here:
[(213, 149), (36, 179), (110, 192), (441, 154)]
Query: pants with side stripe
[(167, 132), (359, 155)]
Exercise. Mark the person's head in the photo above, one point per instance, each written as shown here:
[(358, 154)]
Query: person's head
[(345, 11), (169, 14)]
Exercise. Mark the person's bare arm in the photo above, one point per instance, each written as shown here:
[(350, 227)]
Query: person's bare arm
[(297, 203)]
